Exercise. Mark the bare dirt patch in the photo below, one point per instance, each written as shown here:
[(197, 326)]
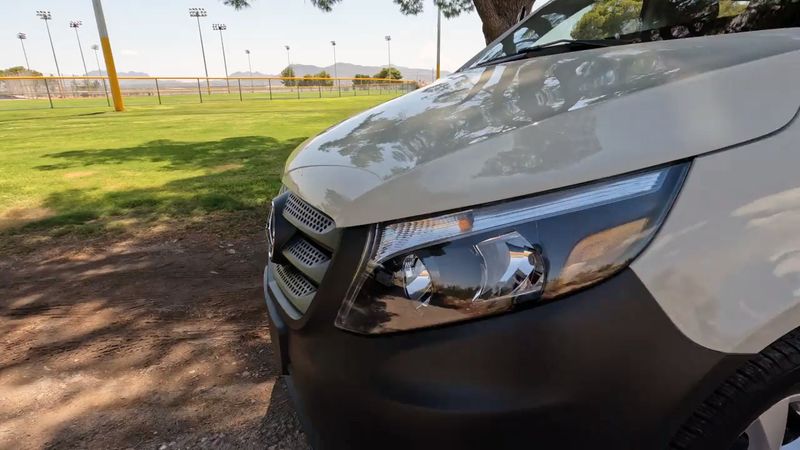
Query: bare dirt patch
[(79, 174), (16, 217), (226, 167), (155, 338)]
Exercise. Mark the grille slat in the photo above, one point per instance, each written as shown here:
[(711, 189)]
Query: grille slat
[(307, 253), (307, 215), (308, 259), (294, 281)]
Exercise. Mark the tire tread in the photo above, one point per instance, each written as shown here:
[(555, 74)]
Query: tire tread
[(753, 378)]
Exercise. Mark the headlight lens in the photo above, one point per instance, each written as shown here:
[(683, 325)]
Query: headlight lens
[(491, 259)]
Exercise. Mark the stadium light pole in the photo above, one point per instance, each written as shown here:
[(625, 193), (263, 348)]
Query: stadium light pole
[(108, 56), (46, 16), (288, 57), (250, 67), (77, 24), (335, 70), (439, 44), (222, 27), (389, 48), (96, 47), (22, 36), (198, 13)]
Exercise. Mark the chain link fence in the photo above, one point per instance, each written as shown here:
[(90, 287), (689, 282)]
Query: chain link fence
[(27, 92)]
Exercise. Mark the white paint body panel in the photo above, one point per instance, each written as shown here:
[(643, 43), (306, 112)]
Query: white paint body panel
[(516, 129), (726, 264)]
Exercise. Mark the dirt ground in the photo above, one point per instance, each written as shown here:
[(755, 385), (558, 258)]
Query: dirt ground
[(153, 338)]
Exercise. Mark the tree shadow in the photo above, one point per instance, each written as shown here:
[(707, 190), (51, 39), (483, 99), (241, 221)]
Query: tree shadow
[(152, 338), (155, 334), (240, 173)]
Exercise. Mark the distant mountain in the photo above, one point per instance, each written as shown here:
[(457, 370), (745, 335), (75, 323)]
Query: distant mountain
[(347, 70), (121, 74), (344, 70)]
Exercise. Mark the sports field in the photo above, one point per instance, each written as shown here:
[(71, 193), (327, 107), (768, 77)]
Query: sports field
[(131, 259), (87, 170)]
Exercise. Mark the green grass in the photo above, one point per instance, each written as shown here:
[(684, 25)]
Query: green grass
[(85, 170)]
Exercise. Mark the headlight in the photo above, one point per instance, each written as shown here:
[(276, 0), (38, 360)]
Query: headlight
[(492, 259)]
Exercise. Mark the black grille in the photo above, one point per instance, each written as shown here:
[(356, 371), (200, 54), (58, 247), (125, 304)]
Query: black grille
[(307, 215)]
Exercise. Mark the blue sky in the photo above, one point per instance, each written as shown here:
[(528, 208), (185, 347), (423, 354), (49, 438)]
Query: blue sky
[(159, 37)]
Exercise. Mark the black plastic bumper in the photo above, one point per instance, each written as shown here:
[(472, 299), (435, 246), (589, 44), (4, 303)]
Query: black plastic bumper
[(604, 368)]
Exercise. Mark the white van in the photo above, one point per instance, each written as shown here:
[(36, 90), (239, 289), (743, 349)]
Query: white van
[(587, 237)]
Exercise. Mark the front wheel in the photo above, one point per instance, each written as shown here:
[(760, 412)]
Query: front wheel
[(757, 408)]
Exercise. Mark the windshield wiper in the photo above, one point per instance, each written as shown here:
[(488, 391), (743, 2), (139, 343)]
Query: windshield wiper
[(577, 44)]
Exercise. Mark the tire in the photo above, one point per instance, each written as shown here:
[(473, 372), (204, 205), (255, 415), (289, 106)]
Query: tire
[(766, 379)]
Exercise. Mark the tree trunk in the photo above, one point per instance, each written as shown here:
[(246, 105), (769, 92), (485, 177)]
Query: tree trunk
[(500, 15)]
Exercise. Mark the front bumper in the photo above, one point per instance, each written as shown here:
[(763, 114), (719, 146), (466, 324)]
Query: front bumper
[(603, 368)]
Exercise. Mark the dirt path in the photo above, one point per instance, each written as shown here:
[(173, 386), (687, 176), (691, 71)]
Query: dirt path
[(151, 339)]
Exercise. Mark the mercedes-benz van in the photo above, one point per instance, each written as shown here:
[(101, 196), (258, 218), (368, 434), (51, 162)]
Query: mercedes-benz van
[(586, 237)]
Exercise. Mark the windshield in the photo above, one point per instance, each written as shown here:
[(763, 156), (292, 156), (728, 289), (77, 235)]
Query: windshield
[(630, 21)]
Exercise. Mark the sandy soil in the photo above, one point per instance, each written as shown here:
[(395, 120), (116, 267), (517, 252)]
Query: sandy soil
[(154, 338)]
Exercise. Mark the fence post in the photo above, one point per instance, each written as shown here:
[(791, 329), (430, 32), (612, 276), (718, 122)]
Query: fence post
[(158, 92), (339, 85), (297, 85), (49, 97), (105, 88), (269, 83), (368, 84), (200, 90), (319, 88), (240, 89)]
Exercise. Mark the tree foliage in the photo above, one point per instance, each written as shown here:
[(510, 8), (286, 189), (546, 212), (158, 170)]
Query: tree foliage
[(608, 18), (360, 78), (237, 4), (497, 15), (729, 8), (450, 8), (288, 72), (389, 73), (18, 71)]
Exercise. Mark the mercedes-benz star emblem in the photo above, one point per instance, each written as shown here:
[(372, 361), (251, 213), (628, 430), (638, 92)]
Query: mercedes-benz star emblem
[(271, 231)]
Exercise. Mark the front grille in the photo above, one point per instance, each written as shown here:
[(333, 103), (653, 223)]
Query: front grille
[(293, 281), (304, 260), (307, 215), (306, 253)]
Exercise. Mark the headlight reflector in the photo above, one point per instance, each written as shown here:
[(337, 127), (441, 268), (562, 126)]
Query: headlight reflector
[(491, 259)]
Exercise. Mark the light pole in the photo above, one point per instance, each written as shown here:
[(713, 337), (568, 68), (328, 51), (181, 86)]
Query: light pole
[(222, 27), (250, 67), (335, 71), (96, 47), (389, 48), (22, 36), (108, 55), (198, 13), (439, 44), (46, 16), (289, 67), (77, 24)]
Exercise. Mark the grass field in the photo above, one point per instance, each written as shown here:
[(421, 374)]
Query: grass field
[(87, 170), (192, 97)]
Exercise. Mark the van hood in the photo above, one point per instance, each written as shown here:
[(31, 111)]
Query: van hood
[(515, 129)]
